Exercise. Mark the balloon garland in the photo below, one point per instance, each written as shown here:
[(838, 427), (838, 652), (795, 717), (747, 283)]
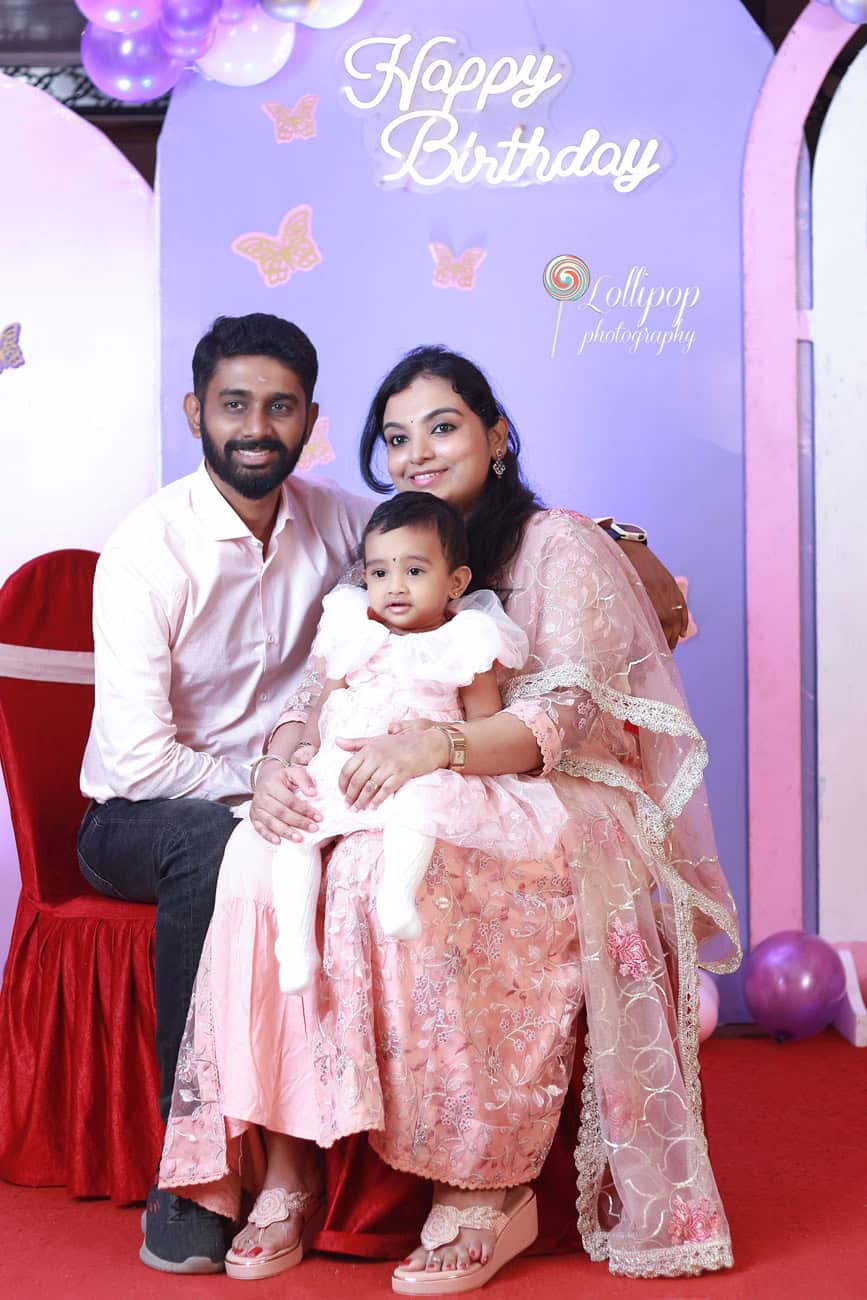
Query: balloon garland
[(135, 50)]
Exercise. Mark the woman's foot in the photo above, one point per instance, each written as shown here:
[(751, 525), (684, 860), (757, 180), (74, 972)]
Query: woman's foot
[(472, 1245), (467, 1238), (293, 1168)]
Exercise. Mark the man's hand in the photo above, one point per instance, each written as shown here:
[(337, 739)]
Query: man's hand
[(665, 596), (279, 810), (380, 765)]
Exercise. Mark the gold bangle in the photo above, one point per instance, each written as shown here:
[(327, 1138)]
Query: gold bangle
[(457, 745), (263, 758)]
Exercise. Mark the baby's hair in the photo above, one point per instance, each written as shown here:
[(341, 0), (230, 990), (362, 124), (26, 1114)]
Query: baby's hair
[(406, 509)]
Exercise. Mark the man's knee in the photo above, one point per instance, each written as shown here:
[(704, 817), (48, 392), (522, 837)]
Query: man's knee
[(203, 829)]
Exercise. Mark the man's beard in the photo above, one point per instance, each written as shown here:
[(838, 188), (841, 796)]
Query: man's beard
[(252, 481)]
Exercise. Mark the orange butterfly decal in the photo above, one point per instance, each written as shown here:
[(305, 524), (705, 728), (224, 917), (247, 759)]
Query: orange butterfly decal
[(319, 450), (11, 356), (452, 272), (691, 627), (278, 257), (293, 123)]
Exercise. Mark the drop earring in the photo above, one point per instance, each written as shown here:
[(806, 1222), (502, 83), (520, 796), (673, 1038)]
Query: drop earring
[(499, 467)]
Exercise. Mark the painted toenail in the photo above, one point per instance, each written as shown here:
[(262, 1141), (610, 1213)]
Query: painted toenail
[(255, 1250)]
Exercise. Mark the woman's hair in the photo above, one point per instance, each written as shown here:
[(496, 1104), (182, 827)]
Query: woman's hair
[(496, 524), (408, 509), (255, 335)]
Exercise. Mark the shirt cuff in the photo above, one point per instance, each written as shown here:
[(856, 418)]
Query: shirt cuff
[(547, 736)]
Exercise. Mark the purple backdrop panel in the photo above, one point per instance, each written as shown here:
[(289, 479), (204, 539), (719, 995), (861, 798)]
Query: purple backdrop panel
[(338, 195)]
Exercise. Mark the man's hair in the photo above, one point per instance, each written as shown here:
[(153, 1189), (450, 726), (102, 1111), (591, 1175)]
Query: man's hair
[(255, 335), (408, 509)]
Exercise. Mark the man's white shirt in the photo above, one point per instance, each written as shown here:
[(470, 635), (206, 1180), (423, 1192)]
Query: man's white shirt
[(199, 640)]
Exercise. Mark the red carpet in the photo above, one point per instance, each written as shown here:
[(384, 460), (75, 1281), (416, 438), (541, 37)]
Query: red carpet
[(788, 1135)]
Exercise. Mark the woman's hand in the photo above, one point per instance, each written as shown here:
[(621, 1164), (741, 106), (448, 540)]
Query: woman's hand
[(380, 765), (405, 725), (279, 810)]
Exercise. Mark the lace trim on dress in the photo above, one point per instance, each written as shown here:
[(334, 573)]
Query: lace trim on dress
[(590, 1166), (544, 732), (654, 715), (673, 1261)]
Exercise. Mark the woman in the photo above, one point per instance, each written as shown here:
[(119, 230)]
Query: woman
[(454, 1053)]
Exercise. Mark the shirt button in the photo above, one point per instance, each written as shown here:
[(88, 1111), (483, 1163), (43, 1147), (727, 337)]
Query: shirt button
[(270, 638), (263, 695)]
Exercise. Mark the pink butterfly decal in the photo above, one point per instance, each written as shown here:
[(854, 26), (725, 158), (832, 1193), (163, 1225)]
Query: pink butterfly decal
[(692, 626), (452, 272), (293, 123), (278, 257), (319, 450), (11, 356)]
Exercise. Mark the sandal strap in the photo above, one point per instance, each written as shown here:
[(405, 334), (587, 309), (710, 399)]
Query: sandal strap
[(444, 1223), (276, 1204)]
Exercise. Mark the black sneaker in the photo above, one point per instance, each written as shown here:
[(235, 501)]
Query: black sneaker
[(180, 1236)]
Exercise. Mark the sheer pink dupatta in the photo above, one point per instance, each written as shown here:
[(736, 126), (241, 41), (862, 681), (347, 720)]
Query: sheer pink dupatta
[(602, 695)]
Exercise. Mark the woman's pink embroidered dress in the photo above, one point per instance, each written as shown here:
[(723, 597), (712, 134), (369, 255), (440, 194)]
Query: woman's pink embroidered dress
[(454, 1053)]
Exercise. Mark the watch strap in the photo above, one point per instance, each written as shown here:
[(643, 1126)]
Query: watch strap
[(457, 744)]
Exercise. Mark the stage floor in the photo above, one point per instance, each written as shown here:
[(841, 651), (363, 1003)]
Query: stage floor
[(788, 1134)]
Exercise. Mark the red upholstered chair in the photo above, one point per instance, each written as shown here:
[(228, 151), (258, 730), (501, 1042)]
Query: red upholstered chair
[(78, 1075)]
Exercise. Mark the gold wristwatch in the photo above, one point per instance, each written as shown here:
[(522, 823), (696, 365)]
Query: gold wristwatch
[(457, 744)]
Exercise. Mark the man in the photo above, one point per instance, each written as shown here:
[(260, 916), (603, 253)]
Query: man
[(206, 600), (205, 603)]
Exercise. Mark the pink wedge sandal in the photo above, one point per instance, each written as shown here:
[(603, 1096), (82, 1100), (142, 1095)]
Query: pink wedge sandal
[(273, 1206), (516, 1227)]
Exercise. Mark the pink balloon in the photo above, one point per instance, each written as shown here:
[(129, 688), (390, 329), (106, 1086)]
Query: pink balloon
[(249, 52), (133, 68), (708, 1005), (120, 15)]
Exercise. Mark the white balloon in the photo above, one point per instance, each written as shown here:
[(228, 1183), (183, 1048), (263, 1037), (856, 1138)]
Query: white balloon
[(248, 52), (285, 11), (330, 13)]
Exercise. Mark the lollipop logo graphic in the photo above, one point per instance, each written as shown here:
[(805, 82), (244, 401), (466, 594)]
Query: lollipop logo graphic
[(566, 278)]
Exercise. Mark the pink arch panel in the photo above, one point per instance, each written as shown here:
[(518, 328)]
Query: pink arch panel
[(773, 324)]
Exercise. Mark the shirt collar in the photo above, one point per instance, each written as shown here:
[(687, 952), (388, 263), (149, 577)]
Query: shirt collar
[(218, 517)]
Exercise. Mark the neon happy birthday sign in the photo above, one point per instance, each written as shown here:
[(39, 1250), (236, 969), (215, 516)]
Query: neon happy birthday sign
[(423, 135)]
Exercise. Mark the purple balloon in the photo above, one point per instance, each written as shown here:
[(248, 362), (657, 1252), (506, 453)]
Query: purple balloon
[(120, 15), (854, 11), (133, 68), (235, 11), (794, 984), (186, 47), (189, 17)]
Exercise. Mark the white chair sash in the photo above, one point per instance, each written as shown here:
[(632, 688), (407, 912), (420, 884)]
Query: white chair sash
[(31, 664)]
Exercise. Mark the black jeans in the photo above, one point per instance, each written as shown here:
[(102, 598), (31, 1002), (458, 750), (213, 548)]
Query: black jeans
[(166, 851)]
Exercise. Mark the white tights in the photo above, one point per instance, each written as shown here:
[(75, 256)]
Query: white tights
[(296, 879)]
